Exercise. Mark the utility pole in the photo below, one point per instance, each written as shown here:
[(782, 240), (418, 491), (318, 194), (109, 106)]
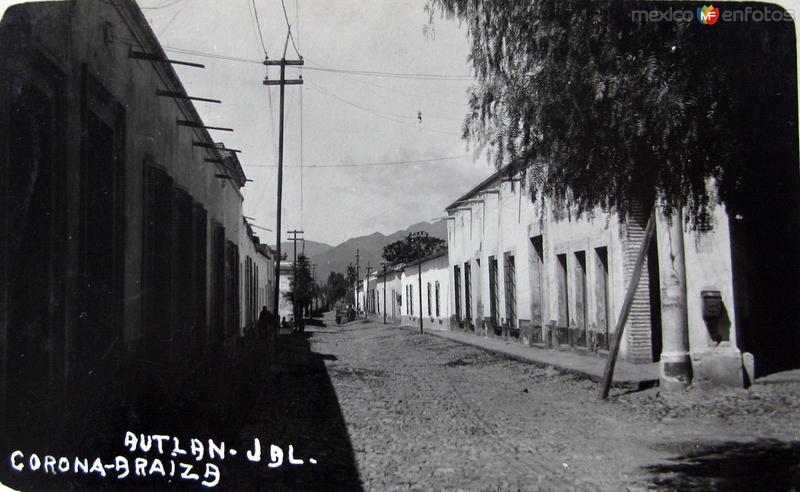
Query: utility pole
[(294, 239), (283, 62), (314, 277), (384, 264), (358, 271), (367, 304), (416, 237)]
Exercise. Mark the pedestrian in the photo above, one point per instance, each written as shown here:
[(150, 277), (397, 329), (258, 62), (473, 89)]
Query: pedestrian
[(284, 324), (264, 319)]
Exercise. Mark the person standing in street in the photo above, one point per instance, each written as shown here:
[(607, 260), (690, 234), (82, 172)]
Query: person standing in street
[(264, 319)]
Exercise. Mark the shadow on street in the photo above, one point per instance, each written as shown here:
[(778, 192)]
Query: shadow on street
[(761, 465), (234, 400), (299, 406)]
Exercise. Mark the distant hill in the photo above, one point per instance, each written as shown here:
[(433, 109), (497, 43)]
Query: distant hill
[(370, 248), (312, 248)]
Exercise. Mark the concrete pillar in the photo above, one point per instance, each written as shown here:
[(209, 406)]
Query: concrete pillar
[(676, 365)]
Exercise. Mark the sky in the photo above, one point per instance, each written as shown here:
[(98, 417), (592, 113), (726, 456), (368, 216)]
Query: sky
[(334, 118)]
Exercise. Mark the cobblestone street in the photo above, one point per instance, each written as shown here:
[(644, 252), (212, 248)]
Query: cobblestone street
[(429, 414)]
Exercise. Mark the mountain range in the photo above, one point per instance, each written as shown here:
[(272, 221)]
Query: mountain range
[(370, 248)]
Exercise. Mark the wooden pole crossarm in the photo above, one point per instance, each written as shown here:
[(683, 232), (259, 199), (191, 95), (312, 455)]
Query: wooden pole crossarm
[(283, 82), (269, 62), (141, 55), (192, 124), (178, 95)]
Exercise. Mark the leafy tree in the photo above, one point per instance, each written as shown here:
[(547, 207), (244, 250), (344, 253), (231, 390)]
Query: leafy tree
[(335, 287), (410, 249), (597, 107), (302, 287), (351, 280)]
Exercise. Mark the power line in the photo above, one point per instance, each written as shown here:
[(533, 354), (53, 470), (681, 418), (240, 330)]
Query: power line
[(258, 24), (393, 116), (289, 27), (401, 75), (389, 116), (369, 164), (204, 54), (370, 73), (162, 6), (297, 23)]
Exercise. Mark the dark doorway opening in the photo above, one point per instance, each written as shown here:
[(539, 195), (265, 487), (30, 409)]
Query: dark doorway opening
[(32, 280), (654, 290)]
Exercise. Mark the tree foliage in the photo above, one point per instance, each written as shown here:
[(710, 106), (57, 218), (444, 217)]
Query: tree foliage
[(302, 287), (599, 108), (335, 287), (410, 249)]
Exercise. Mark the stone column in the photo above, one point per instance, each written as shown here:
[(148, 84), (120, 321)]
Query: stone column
[(676, 365)]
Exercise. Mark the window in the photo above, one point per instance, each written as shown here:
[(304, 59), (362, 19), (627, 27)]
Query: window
[(602, 295), (200, 273), (232, 289), (32, 213), (537, 288), (580, 297), (467, 291), (182, 286), (563, 294), (101, 233), (429, 299), (437, 299), (511, 290), (157, 288), (493, 301), (457, 291), (218, 286)]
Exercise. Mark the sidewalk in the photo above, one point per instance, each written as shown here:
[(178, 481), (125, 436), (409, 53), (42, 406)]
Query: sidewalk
[(625, 373)]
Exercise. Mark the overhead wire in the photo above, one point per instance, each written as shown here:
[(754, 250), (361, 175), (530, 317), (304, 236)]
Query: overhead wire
[(388, 116), (302, 202), (162, 6), (289, 27), (343, 71), (258, 24), (371, 164)]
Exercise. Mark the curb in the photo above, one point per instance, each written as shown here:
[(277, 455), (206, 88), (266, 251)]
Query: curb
[(563, 369)]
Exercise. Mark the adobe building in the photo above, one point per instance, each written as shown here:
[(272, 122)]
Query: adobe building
[(548, 277), (257, 274), (432, 305), (122, 241), (285, 305), (388, 288)]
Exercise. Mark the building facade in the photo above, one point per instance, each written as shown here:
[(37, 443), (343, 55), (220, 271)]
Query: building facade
[(122, 239), (547, 276), (257, 273), (431, 302), (388, 293), (285, 305)]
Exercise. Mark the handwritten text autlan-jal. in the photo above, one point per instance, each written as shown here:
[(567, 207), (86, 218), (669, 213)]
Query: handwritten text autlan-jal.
[(163, 456)]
